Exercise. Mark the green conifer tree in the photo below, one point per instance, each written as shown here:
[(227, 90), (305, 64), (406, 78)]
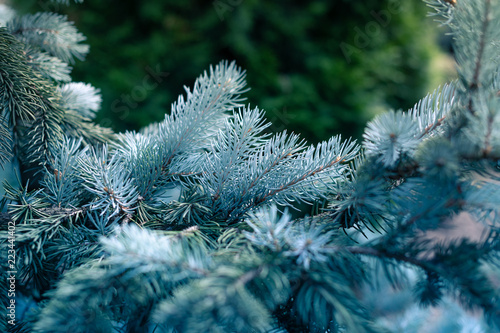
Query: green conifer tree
[(181, 227)]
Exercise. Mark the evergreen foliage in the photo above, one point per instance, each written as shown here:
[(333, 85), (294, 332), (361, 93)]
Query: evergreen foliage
[(183, 226), (316, 67)]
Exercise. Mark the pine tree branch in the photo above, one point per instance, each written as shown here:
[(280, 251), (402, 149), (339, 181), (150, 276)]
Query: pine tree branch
[(294, 182), (187, 121), (5, 218), (20, 30), (32, 104), (482, 43), (6, 141), (190, 129), (249, 276), (475, 84), (432, 126), (50, 32), (185, 279), (239, 149), (369, 251)]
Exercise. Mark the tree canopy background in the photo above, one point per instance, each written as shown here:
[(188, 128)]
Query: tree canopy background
[(317, 67)]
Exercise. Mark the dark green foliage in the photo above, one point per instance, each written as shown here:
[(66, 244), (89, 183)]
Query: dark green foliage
[(318, 68), (6, 143), (176, 228), (429, 289), (33, 109), (22, 89)]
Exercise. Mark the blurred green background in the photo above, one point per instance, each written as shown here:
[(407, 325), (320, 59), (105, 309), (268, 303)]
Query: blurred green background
[(318, 68)]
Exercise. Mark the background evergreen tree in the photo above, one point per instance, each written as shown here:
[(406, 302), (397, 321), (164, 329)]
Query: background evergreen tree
[(318, 67), (175, 228)]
